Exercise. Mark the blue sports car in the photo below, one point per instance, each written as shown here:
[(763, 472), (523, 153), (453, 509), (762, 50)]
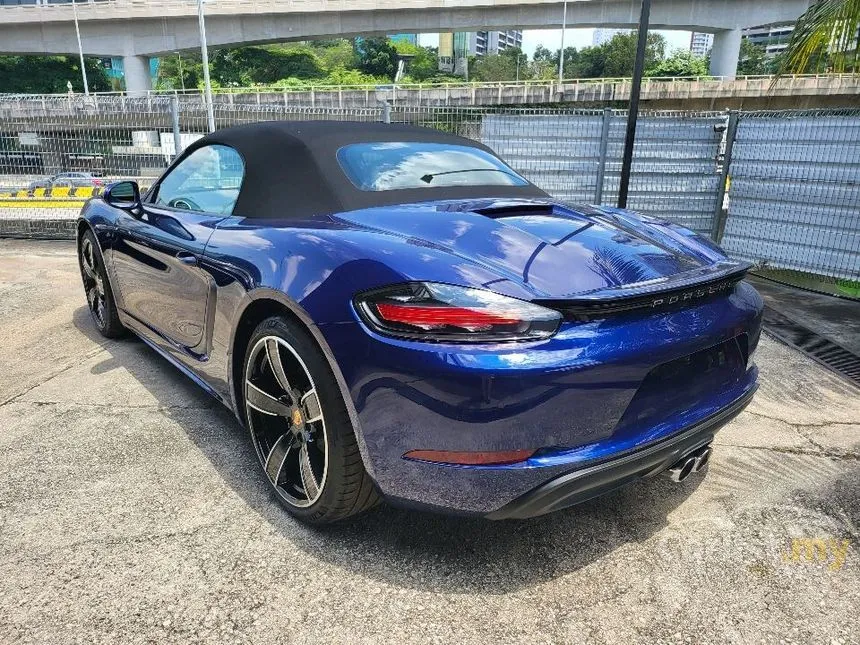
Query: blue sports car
[(394, 313)]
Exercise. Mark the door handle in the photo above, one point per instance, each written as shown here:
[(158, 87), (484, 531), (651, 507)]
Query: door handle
[(187, 258)]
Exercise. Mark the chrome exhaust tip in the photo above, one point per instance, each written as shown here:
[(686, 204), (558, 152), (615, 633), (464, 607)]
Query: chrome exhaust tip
[(692, 463), (681, 470), (702, 458)]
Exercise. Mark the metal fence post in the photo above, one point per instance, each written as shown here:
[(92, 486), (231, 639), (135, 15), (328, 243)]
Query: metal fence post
[(386, 112), (720, 214), (174, 114), (601, 162)]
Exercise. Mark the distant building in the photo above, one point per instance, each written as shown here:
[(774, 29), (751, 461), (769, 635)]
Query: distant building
[(455, 49), (494, 42), (701, 44), (601, 36), (453, 52), (412, 39), (773, 39)]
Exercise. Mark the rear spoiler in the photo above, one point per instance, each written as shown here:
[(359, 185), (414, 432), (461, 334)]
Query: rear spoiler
[(679, 290)]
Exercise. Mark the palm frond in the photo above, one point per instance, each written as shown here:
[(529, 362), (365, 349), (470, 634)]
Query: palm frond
[(829, 27)]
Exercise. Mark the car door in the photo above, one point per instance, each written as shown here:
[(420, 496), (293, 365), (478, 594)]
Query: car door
[(156, 257)]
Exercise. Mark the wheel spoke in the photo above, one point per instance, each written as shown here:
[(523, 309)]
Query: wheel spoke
[(278, 455), (89, 262), (309, 481), (311, 407), (265, 403), (285, 419), (274, 356)]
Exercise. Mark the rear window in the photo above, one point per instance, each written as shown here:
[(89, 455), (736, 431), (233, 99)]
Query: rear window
[(403, 165)]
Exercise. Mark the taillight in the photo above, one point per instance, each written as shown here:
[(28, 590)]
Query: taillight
[(442, 312)]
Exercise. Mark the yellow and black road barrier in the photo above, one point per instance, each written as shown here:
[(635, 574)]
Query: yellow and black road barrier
[(56, 197)]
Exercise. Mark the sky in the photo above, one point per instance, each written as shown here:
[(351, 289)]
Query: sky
[(579, 38)]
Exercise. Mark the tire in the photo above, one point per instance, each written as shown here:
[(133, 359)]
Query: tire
[(300, 427), (97, 289)]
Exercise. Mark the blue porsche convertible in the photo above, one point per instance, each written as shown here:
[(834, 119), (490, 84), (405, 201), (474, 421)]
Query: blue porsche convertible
[(395, 313)]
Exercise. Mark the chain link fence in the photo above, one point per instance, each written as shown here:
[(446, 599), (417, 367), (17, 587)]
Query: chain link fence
[(794, 197), (788, 198)]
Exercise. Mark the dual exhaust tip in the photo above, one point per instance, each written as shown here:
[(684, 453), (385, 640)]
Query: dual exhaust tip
[(692, 463)]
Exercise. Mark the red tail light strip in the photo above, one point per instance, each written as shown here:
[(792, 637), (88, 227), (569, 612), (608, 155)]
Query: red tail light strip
[(424, 316)]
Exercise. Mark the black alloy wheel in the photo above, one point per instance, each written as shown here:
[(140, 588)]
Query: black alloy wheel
[(300, 427)]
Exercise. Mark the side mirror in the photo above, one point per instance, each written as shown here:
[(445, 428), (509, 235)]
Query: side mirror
[(123, 194)]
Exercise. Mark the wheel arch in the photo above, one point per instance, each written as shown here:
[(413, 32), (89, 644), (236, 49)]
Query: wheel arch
[(82, 227), (262, 303)]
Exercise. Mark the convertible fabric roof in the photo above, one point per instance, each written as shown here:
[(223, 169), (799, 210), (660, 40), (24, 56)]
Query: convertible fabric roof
[(291, 168)]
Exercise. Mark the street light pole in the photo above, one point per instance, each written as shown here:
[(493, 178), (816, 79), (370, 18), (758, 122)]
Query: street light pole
[(204, 54), (633, 113), (561, 51), (80, 48)]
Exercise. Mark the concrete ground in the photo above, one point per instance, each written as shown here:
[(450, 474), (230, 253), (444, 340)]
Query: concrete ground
[(132, 510), (837, 319)]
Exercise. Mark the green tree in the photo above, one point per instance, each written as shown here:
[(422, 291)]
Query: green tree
[(335, 53), (544, 55), (620, 53), (179, 70), (49, 74), (544, 64), (246, 66), (520, 60), (752, 60), (681, 63), (423, 61), (590, 63), (612, 59), (496, 68), (493, 68), (827, 27), (377, 57), (342, 76)]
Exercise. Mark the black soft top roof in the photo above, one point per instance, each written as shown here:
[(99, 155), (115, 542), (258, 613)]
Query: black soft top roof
[(291, 167)]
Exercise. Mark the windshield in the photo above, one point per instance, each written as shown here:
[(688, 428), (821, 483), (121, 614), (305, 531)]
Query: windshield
[(400, 165)]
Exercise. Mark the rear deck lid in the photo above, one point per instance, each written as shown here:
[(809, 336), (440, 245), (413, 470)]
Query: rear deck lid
[(557, 252)]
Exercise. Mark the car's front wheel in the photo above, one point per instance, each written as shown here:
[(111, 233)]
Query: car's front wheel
[(300, 426)]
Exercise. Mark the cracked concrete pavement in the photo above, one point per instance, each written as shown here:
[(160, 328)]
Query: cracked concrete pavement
[(132, 509)]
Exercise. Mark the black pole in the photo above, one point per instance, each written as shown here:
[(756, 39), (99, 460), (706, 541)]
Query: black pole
[(638, 69)]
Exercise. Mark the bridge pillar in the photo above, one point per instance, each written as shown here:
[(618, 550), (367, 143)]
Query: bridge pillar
[(137, 82), (136, 72), (726, 53)]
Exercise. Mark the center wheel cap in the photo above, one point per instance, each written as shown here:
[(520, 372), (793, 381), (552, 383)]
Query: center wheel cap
[(297, 418)]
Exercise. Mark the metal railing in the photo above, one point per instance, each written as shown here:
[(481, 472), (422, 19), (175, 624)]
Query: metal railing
[(786, 196), (551, 84), (575, 91)]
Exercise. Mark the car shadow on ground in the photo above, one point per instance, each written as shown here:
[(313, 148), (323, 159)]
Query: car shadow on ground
[(402, 547)]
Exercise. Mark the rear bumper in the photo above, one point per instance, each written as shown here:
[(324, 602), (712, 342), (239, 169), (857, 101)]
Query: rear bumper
[(593, 393), (581, 485)]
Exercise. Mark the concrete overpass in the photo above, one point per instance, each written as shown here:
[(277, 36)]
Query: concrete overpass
[(139, 29)]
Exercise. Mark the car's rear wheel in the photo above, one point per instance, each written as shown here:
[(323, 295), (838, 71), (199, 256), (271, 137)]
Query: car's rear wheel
[(300, 427), (97, 288)]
